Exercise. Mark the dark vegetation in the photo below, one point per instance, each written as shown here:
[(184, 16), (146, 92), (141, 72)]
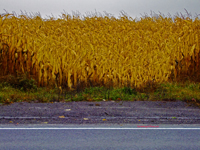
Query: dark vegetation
[(21, 88)]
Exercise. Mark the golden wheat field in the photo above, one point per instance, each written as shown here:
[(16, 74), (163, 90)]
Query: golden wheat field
[(73, 52)]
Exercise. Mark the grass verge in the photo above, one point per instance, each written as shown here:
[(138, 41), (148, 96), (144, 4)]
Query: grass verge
[(21, 89)]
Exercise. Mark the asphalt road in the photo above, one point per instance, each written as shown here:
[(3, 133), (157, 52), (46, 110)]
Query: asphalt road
[(98, 137), (138, 112), (100, 125)]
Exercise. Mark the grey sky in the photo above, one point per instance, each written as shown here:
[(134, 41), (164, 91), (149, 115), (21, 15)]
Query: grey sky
[(132, 7)]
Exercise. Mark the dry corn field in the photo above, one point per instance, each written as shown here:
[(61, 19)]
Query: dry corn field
[(107, 51)]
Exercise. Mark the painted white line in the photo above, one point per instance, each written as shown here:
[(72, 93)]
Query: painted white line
[(140, 108), (104, 117), (99, 128), (106, 107)]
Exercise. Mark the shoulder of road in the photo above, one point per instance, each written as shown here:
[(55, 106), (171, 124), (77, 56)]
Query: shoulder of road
[(105, 112)]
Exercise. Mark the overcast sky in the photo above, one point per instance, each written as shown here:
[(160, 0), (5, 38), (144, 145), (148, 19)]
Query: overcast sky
[(133, 8)]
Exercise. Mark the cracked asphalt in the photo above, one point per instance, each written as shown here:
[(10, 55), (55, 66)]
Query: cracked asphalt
[(105, 112)]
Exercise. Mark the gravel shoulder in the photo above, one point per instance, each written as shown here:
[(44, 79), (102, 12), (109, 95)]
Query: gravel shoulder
[(105, 112)]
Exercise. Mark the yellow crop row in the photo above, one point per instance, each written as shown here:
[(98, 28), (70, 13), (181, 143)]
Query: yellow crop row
[(75, 52)]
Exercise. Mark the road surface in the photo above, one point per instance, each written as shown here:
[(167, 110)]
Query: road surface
[(98, 137), (100, 125), (137, 112)]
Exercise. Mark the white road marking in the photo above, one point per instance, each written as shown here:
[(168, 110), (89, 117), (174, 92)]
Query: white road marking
[(105, 117), (99, 107), (139, 108), (139, 128)]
